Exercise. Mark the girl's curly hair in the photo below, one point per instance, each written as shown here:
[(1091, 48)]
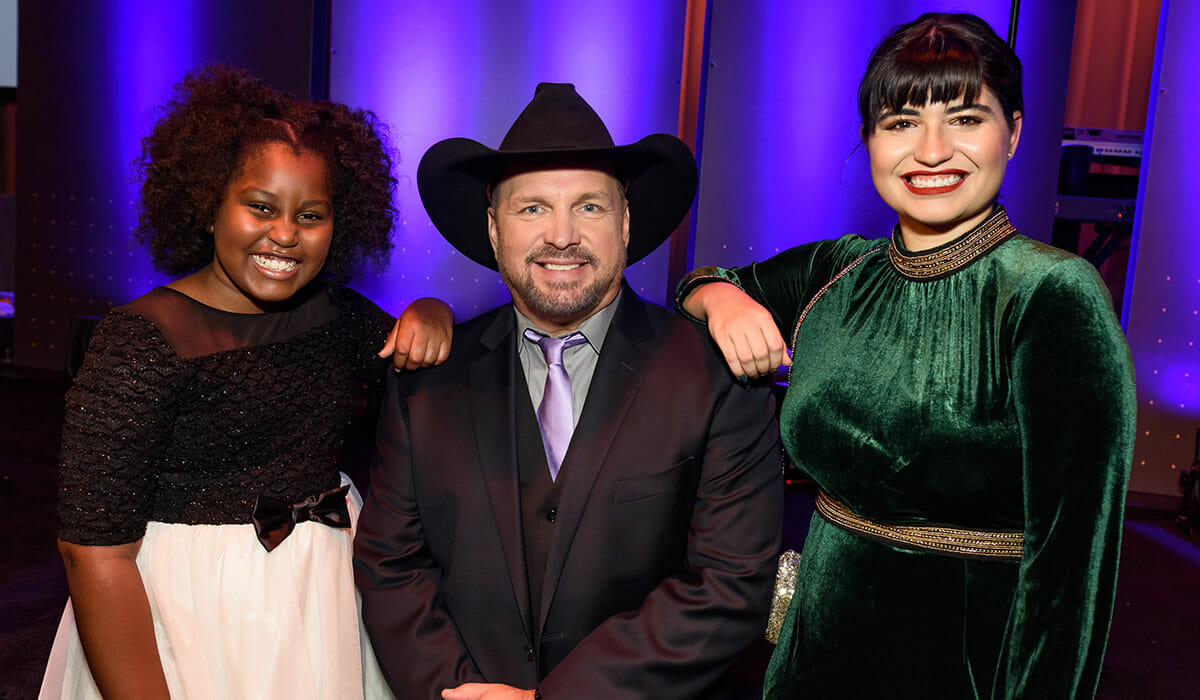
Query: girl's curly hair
[(220, 115)]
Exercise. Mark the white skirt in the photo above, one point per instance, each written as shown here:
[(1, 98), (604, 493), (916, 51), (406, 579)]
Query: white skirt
[(235, 621)]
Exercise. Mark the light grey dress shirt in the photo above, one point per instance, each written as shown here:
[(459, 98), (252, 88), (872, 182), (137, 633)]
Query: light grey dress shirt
[(579, 361)]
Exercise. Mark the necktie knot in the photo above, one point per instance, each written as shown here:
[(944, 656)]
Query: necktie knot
[(552, 348)]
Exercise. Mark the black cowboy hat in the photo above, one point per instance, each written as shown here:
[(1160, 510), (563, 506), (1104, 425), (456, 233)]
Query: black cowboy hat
[(658, 171)]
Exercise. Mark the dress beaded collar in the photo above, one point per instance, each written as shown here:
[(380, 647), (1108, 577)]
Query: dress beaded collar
[(959, 253)]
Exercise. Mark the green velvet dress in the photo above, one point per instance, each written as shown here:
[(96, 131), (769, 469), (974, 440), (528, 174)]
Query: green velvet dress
[(983, 384)]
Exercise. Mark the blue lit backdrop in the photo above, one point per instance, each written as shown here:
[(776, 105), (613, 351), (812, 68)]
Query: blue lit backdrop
[(1163, 293), (141, 69)]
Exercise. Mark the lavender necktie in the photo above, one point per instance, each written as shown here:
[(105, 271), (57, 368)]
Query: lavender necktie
[(556, 414)]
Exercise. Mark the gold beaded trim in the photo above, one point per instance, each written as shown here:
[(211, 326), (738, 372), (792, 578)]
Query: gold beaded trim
[(955, 256), (981, 544)]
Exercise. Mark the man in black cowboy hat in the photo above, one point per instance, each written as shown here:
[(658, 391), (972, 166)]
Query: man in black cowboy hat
[(581, 502)]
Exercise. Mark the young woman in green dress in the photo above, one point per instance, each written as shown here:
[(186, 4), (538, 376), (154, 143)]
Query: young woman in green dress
[(961, 394)]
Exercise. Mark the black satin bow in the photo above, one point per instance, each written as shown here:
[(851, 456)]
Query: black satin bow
[(274, 519)]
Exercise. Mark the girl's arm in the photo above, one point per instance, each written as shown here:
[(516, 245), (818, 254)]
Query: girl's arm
[(118, 414), (113, 617), (421, 336)]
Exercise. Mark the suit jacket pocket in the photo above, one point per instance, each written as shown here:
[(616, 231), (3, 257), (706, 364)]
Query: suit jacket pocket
[(642, 488)]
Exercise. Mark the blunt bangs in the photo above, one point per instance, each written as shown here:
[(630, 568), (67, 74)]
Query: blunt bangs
[(939, 58), (929, 76)]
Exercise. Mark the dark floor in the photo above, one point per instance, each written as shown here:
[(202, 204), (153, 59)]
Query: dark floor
[(32, 584), (1153, 650)]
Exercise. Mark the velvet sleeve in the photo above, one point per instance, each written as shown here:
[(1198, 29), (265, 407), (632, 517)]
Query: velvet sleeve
[(118, 415), (1074, 397), (785, 283)]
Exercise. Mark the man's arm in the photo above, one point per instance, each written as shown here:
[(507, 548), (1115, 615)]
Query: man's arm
[(691, 626), (415, 640)]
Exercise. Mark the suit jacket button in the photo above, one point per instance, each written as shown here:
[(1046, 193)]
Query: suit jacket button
[(552, 515), (529, 656)]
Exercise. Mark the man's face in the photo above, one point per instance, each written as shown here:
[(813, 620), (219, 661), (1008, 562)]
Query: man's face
[(559, 236)]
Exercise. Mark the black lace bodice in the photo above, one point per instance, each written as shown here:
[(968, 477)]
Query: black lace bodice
[(183, 413)]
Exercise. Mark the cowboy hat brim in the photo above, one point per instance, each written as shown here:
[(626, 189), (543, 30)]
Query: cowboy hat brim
[(454, 176)]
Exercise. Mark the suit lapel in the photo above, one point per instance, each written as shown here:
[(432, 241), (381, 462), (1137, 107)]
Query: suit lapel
[(620, 370), (493, 392)]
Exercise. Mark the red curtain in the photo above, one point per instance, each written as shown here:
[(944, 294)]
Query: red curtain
[(1111, 60)]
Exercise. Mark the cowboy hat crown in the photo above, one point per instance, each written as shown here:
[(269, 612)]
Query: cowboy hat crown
[(455, 175)]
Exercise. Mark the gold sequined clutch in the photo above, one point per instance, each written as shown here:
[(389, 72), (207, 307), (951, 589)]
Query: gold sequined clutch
[(785, 587)]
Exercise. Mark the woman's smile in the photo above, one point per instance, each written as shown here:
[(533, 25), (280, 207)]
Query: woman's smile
[(932, 183)]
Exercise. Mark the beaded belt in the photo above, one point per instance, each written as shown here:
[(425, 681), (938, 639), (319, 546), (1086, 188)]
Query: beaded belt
[(960, 542)]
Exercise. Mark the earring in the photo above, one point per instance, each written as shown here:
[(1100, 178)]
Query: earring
[(1010, 155)]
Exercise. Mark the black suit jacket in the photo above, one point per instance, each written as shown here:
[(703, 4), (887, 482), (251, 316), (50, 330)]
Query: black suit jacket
[(668, 523)]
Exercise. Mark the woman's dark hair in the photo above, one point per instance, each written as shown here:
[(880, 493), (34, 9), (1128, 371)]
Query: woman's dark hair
[(939, 57), (218, 117)]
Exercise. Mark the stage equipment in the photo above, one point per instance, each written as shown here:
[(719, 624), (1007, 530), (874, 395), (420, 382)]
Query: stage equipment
[(1087, 194)]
